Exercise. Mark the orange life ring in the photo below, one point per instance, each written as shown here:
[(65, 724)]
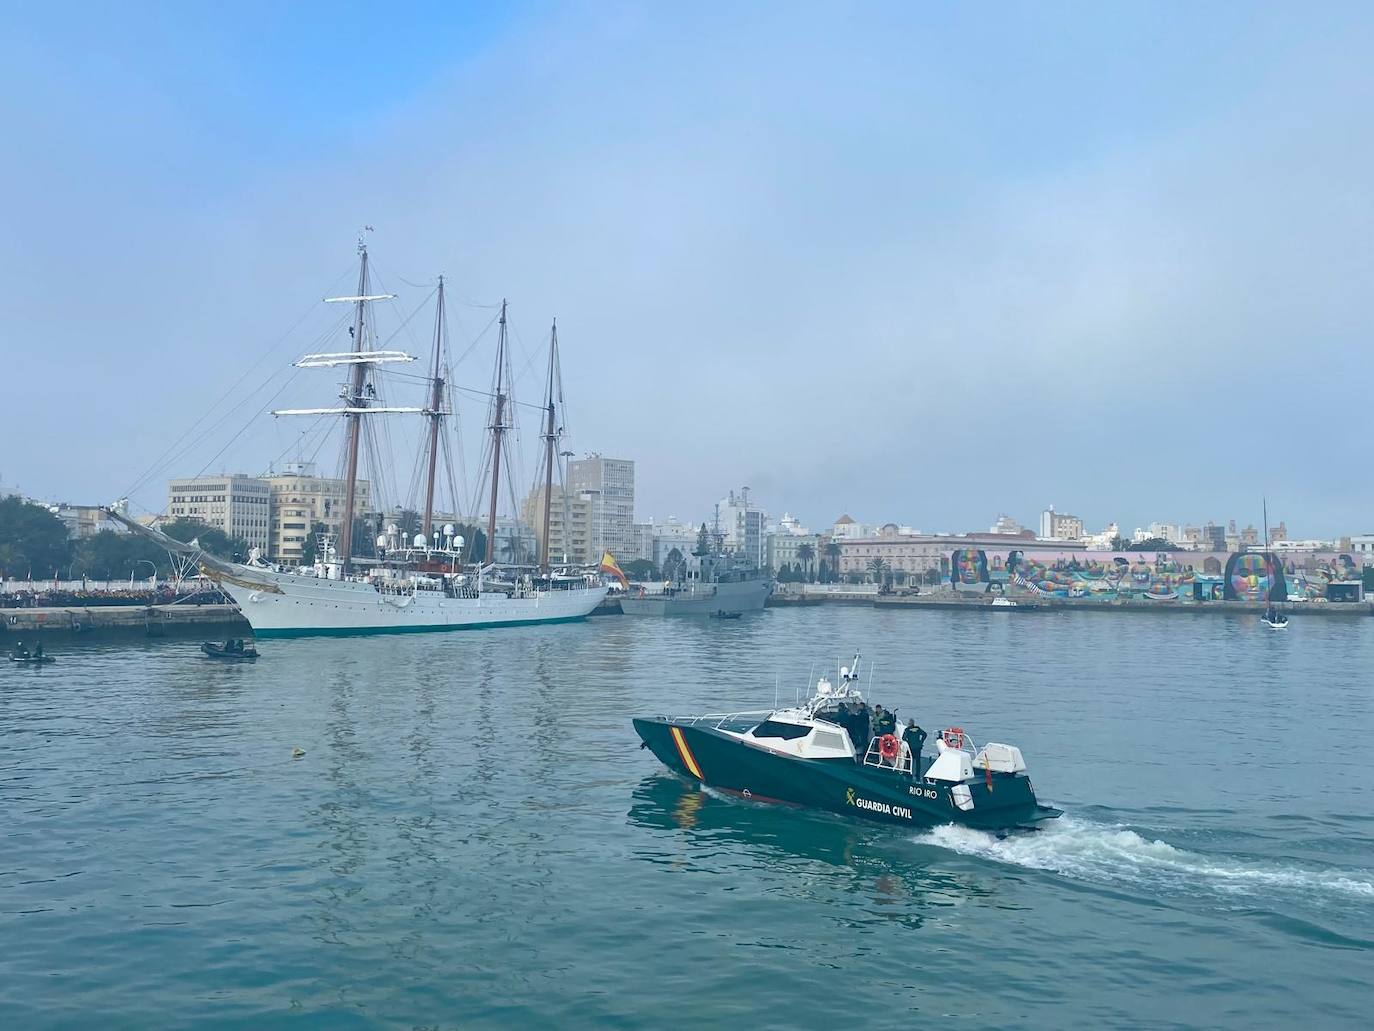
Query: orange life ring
[(888, 746), (954, 737)]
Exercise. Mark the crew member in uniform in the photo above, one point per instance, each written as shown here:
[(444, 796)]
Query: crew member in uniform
[(884, 722), (915, 738)]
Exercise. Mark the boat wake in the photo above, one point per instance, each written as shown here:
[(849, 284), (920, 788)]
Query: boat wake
[(1110, 855)]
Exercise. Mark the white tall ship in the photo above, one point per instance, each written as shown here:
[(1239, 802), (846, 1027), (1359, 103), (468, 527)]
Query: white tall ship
[(425, 583)]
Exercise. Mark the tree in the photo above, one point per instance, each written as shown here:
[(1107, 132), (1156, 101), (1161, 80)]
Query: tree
[(672, 564), (832, 552), (806, 553), (113, 556), (1151, 544), (208, 539), (703, 542), (932, 576), (1119, 543), (33, 541), (1367, 575), (876, 568), (640, 569)]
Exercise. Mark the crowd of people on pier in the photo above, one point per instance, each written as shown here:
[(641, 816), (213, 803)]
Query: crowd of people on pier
[(53, 597)]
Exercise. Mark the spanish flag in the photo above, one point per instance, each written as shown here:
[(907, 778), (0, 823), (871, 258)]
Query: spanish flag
[(608, 565)]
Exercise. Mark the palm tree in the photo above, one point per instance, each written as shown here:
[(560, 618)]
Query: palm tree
[(806, 553), (876, 568), (832, 552)]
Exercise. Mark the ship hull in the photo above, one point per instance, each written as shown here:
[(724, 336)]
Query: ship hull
[(703, 600), (719, 760), (290, 605)]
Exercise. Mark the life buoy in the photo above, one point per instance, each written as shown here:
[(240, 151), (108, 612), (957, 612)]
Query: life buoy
[(888, 746), (954, 737)]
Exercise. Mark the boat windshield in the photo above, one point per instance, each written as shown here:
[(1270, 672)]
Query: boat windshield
[(785, 731)]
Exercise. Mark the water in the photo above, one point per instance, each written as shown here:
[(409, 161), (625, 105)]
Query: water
[(473, 837)]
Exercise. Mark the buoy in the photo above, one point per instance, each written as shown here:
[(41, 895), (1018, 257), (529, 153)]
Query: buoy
[(297, 752)]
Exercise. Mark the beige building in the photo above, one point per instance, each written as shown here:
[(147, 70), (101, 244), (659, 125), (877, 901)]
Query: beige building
[(571, 524), (300, 499), (236, 504)]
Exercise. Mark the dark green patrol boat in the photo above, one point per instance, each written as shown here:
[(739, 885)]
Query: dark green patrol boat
[(811, 755)]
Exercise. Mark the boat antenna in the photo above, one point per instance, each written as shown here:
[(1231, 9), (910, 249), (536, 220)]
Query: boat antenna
[(435, 413)]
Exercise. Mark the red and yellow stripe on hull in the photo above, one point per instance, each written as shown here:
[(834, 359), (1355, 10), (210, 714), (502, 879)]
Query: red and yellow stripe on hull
[(686, 753)]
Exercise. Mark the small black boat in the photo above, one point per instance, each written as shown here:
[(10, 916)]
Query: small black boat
[(807, 755), (722, 614), (232, 651)]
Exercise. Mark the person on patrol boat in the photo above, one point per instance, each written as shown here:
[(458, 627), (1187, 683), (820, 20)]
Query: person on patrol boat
[(884, 722), (915, 738)]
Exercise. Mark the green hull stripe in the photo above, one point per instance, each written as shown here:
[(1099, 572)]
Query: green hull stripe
[(371, 630)]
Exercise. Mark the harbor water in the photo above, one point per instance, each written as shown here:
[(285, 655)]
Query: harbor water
[(473, 837)]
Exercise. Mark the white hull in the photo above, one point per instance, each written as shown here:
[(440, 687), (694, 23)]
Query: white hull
[(701, 600), (294, 605)]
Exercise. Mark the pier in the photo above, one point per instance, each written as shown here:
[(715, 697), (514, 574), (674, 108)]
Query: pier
[(947, 600), (149, 620)]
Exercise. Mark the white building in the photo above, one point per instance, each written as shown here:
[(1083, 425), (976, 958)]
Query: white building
[(846, 528), (609, 483), (742, 526), (238, 505), (1363, 544), (1060, 526), (1006, 524), (673, 534), (88, 520), (1102, 540), (784, 549)]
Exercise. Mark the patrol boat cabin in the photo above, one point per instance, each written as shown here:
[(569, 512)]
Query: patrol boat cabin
[(834, 752)]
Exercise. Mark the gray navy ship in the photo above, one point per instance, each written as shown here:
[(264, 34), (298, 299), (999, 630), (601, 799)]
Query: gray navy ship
[(722, 585)]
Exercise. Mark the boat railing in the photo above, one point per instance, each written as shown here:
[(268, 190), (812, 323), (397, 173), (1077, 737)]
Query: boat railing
[(901, 763), (718, 720)]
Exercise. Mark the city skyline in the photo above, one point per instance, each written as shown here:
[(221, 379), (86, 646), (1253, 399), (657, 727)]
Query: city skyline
[(934, 262)]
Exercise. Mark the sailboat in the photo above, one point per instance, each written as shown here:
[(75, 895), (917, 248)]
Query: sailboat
[(421, 584), (1272, 618)]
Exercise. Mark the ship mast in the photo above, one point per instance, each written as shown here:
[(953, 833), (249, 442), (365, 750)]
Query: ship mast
[(355, 399), (435, 413), (498, 430), (550, 442), (358, 397)]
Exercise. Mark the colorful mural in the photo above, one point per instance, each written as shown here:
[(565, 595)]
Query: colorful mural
[(1156, 577), (969, 570), (1255, 576)]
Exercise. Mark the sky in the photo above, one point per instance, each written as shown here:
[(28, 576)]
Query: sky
[(922, 263)]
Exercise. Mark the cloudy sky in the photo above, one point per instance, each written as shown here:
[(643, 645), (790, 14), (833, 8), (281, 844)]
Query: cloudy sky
[(917, 262)]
